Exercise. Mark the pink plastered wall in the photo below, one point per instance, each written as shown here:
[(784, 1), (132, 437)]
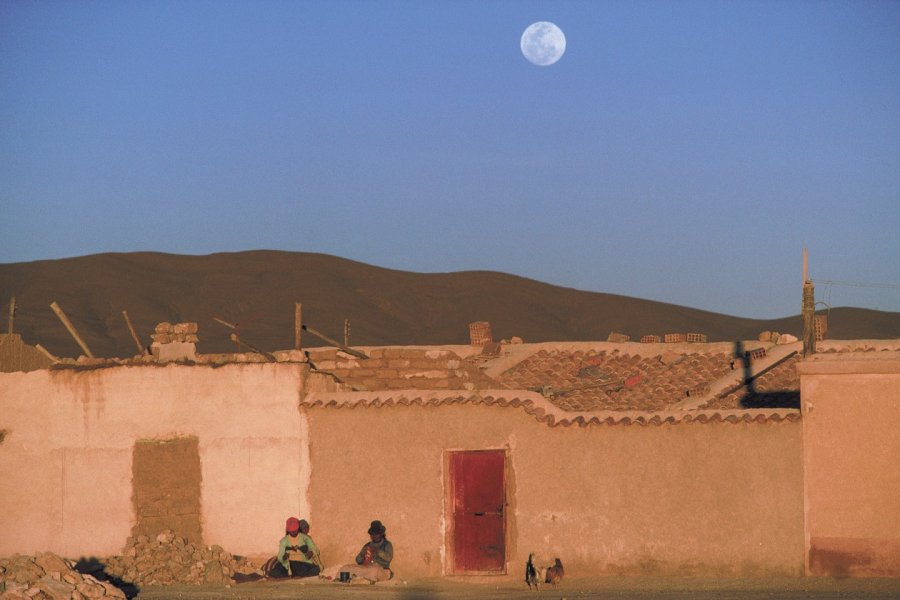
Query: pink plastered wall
[(851, 412), (685, 498), (66, 456)]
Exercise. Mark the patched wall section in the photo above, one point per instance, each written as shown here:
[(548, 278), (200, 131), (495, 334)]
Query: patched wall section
[(166, 487)]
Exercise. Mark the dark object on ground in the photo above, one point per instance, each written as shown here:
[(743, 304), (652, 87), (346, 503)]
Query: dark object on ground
[(555, 573), (531, 575)]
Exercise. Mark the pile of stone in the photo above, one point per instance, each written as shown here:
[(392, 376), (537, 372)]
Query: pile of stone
[(174, 342), (49, 577), (170, 559), (777, 338), (166, 333)]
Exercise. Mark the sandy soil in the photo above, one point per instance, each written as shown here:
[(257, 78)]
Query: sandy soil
[(572, 589)]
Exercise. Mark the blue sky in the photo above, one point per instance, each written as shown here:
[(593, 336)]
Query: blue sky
[(679, 151)]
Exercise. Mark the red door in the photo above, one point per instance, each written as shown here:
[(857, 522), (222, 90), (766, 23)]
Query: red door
[(479, 497)]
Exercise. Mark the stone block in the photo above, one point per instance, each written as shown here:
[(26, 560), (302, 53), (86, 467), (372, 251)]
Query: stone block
[(177, 351), (185, 328)]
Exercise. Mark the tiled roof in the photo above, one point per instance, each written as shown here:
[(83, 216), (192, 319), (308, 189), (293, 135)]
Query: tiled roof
[(587, 381), (541, 408), (401, 368), (600, 380)]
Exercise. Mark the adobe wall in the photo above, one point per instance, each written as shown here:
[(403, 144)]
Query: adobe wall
[(67, 454), (16, 355), (851, 412), (689, 498)]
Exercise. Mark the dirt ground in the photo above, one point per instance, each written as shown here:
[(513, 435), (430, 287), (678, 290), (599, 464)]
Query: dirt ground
[(571, 589)]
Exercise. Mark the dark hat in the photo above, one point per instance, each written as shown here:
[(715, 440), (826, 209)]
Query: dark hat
[(303, 523), (376, 527)]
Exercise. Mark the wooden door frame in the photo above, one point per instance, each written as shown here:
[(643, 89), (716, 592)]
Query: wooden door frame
[(447, 516)]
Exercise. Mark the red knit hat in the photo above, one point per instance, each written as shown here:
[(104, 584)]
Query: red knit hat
[(292, 525)]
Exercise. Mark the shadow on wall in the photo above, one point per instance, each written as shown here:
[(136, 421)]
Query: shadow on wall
[(753, 398), (95, 568), (3, 434)]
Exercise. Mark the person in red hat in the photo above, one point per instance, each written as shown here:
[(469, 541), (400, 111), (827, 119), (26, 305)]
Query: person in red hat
[(298, 555)]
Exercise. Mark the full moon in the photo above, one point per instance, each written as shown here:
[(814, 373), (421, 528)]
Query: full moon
[(543, 43)]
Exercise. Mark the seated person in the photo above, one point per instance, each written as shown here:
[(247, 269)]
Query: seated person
[(374, 560), (297, 555)]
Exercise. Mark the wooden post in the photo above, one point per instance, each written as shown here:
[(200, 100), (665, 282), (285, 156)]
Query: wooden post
[(65, 321), (46, 353), (805, 266), (141, 350), (346, 332), (12, 314), (335, 343), (298, 325)]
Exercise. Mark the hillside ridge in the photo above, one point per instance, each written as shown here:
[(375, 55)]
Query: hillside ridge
[(257, 290)]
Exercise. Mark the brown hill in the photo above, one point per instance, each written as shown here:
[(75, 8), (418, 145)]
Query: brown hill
[(257, 290)]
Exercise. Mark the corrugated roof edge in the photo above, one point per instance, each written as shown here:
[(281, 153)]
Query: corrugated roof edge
[(541, 409)]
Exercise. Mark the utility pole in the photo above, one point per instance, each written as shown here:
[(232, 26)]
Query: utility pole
[(808, 310), (12, 314), (298, 325)]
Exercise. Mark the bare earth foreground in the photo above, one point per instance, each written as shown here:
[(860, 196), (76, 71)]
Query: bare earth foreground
[(570, 589)]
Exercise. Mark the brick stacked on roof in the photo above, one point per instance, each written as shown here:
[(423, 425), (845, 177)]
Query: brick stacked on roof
[(590, 381), (402, 368)]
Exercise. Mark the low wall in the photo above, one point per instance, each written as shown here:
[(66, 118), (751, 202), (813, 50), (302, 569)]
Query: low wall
[(851, 412), (67, 453), (684, 498)]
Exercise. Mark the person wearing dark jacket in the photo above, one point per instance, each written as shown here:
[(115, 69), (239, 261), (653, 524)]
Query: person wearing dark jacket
[(373, 562)]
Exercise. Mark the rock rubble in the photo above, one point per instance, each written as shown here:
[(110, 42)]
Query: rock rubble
[(49, 577), (170, 559)]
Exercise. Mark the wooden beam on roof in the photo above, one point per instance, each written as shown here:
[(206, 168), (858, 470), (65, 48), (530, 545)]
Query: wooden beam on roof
[(334, 342), (74, 333)]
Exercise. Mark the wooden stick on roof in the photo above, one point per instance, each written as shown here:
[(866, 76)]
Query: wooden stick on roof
[(65, 321)]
